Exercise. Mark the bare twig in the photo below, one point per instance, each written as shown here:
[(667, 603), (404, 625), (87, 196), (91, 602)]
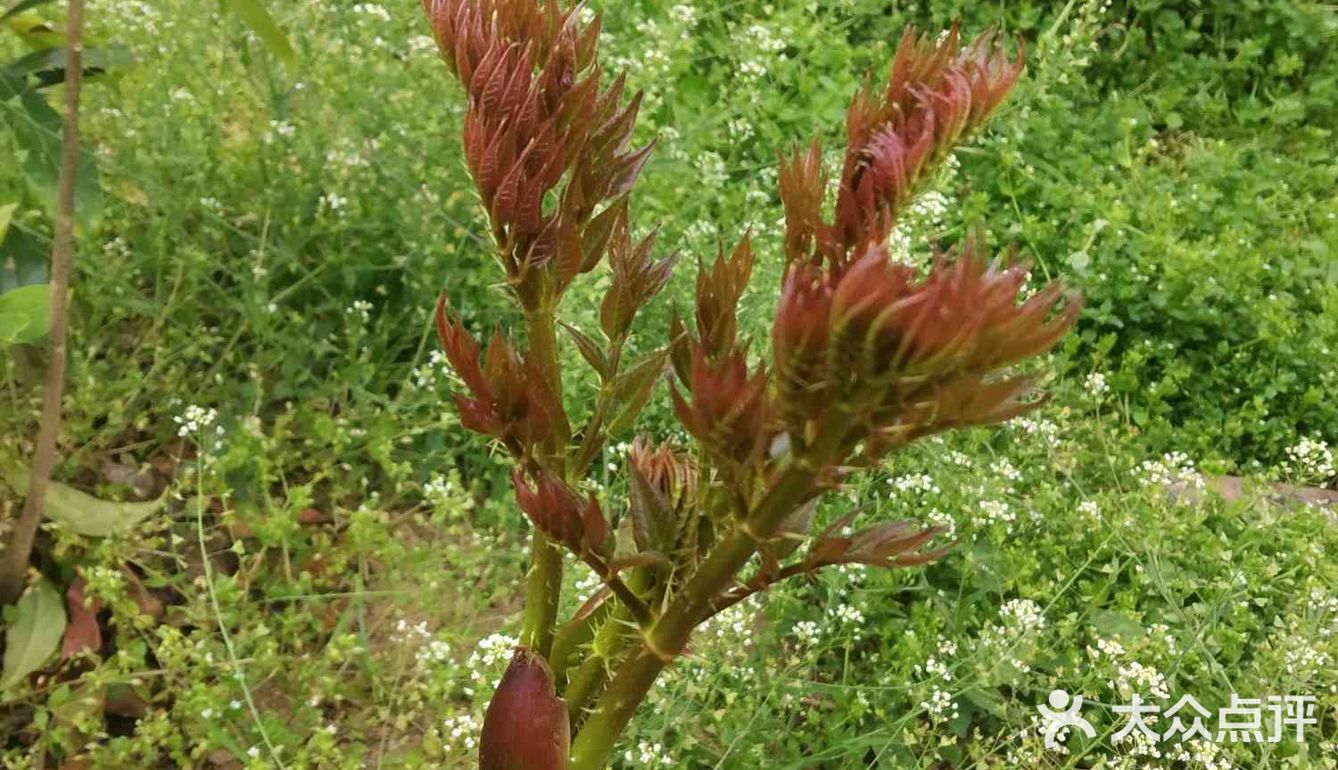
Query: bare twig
[(14, 561)]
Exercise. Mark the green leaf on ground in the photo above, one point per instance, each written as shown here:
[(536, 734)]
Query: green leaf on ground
[(81, 512), (34, 632)]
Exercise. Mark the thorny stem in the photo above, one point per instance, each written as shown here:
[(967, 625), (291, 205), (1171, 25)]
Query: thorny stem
[(543, 588), (14, 562), (588, 681), (606, 647), (576, 632), (667, 638), (637, 608)]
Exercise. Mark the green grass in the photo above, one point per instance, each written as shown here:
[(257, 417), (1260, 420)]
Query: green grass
[(271, 248)]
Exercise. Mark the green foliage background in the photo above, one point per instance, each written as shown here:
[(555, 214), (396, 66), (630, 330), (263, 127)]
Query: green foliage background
[(271, 246)]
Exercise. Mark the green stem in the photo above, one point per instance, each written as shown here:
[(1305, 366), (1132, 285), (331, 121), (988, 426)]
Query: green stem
[(543, 589), (542, 332)]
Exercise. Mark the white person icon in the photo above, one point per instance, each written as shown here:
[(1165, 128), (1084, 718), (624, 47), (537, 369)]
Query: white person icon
[(1063, 714)]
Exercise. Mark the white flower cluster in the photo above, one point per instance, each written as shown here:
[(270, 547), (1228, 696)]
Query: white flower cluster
[(278, 129), (930, 207), (960, 459), (361, 308), (116, 247), (734, 625), (934, 665), (940, 704), (491, 653), (648, 754), (1006, 469), (807, 633), (998, 512), (1172, 468), (196, 419), (431, 372), (1046, 430), (422, 45), (408, 634), (1310, 458), (1019, 620), (711, 170), (899, 246), (1134, 677), (1095, 385), (462, 731), (913, 484), (586, 581), (132, 14), (372, 10), (762, 45), (938, 518), (1023, 614), (434, 652), (684, 14), (1324, 604), (346, 158), (1109, 648), (844, 613), (439, 487), (1090, 509), (428, 650), (1138, 744), (1200, 754), (1163, 632)]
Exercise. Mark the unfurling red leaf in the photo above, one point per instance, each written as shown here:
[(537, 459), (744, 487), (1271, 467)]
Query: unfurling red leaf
[(560, 513), (794, 529), (654, 523)]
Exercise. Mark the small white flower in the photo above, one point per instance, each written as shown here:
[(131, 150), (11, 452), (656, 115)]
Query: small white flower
[(1096, 384), (807, 632)]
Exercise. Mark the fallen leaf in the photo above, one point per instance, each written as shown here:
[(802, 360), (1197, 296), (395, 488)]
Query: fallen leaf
[(312, 516), (83, 632)]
